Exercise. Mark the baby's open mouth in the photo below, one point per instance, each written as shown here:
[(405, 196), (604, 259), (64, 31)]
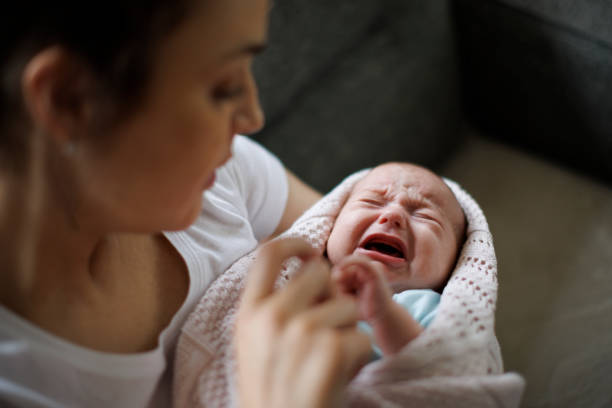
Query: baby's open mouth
[(384, 248), (386, 245)]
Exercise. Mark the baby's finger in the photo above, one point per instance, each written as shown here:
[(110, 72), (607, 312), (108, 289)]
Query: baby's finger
[(366, 268), (345, 279), (357, 261), (340, 275), (263, 273)]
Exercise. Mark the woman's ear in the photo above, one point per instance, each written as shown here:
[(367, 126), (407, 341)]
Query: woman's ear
[(58, 91)]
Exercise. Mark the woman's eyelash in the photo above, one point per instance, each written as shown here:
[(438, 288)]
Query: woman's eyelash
[(225, 93)]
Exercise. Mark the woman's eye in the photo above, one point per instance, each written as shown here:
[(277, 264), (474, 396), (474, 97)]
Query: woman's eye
[(224, 93)]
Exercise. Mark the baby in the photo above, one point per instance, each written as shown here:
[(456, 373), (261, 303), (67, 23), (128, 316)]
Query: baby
[(406, 228)]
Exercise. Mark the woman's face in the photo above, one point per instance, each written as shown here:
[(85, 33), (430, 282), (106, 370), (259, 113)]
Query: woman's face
[(404, 217), (201, 94)]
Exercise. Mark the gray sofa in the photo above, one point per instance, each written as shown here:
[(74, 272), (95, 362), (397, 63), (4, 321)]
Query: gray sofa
[(348, 84), (511, 98), (538, 74)]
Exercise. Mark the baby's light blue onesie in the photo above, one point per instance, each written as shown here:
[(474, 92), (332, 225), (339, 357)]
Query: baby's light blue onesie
[(422, 305)]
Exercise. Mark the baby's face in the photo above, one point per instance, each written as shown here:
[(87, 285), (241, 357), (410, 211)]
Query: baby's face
[(404, 217)]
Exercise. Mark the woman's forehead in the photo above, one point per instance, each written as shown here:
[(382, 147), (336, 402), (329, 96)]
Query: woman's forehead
[(219, 30)]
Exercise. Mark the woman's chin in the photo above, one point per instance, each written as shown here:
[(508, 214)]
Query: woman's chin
[(209, 183), (188, 217)]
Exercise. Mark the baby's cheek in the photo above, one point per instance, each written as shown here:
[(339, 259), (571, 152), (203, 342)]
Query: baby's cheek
[(331, 248), (346, 234), (337, 247)]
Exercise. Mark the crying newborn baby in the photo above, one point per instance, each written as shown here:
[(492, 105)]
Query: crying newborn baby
[(403, 227)]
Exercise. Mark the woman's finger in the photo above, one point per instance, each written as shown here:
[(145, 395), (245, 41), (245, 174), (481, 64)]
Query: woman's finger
[(263, 273), (310, 284), (324, 350), (333, 361), (338, 312), (357, 352)]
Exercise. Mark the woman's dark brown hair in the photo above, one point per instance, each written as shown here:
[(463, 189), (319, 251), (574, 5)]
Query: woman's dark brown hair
[(115, 39)]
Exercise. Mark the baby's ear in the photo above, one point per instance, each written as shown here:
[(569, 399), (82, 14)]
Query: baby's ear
[(58, 93)]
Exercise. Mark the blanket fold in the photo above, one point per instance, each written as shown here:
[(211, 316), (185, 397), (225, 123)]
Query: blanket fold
[(455, 362)]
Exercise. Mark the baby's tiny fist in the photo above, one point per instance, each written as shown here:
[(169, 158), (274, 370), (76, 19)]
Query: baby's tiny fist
[(345, 279)]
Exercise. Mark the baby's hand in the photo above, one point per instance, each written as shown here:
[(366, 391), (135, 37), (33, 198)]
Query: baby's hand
[(392, 325), (363, 278)]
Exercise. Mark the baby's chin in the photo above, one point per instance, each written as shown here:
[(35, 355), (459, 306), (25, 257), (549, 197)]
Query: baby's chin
[(397, 281), (401, 280)]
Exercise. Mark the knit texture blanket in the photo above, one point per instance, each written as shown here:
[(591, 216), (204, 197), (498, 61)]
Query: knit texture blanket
[(455, 362)]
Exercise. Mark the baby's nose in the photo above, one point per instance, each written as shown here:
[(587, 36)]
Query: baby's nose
[(392, 217)]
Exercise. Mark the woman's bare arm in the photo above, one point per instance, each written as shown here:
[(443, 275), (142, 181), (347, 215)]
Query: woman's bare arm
[(301, 197)]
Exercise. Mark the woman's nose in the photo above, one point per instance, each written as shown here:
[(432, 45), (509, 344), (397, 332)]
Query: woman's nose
[(249, 118), (393, 217)]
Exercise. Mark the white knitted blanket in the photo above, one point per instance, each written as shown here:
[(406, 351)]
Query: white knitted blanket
[(455, 362)]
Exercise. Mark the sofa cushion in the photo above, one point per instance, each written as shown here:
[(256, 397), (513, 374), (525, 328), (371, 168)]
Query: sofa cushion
[(374, 106), (305, 39), (593, 18), (537, 84), (389, 94)]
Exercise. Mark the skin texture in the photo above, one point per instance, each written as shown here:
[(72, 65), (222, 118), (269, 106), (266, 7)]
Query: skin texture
[(82, 250)]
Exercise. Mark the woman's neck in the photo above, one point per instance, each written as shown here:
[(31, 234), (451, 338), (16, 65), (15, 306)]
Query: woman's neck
[(44, 255)]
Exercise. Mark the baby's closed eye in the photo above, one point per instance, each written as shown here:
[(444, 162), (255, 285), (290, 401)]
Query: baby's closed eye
[(427, 215)]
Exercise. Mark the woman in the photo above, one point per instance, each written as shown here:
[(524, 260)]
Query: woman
[(111, 130)]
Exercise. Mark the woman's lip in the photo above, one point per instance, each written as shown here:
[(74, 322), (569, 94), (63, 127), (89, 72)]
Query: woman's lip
[(378, 256)]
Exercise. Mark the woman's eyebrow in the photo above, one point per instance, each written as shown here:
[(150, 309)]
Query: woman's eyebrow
[(248, 49)]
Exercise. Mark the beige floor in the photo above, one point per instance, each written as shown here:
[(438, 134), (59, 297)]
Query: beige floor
[(553, 237)]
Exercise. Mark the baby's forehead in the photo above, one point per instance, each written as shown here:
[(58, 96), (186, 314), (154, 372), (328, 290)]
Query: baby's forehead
[(403, 176), (420, 184)]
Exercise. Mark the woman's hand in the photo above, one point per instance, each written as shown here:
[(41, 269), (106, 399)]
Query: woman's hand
[(293, 348)]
